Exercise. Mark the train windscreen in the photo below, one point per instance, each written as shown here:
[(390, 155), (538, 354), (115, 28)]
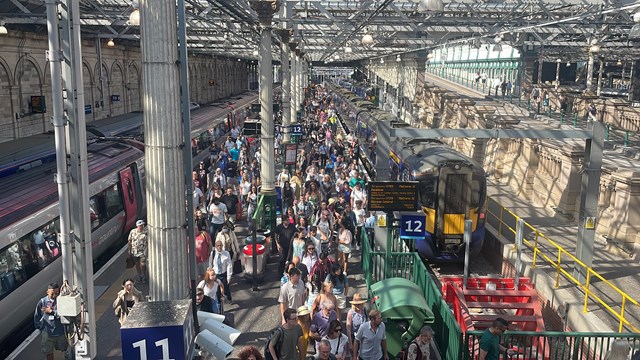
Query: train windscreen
[(427, 192), (456, 193)]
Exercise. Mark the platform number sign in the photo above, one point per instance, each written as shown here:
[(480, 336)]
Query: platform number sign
[(413, 226), (159, 330), (296, 129)]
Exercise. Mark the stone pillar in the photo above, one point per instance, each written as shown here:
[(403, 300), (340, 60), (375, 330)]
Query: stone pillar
[(286, 86), (265, 10), (163, 151)]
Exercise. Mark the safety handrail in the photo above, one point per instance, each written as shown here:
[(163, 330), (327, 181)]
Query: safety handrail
[(556, 261)]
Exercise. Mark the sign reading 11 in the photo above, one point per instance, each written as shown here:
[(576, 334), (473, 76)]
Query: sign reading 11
[(142, 346)]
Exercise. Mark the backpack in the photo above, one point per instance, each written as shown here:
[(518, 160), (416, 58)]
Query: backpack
[(267, 353), (203, 241), (403, 354)]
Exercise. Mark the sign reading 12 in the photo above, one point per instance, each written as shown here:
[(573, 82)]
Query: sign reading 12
[(413, 226), (296, 129)]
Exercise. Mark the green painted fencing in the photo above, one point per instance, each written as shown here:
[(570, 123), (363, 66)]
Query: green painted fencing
[(449, 338), (554, 344), (408, 265)]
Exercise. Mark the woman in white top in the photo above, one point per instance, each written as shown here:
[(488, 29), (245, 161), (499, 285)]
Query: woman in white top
[(245, 188), (337, 339), (358, 193), (210, 285)]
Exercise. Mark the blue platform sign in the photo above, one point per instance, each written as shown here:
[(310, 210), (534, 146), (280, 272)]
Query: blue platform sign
[(413, 226), (296, 129), (161, 330)]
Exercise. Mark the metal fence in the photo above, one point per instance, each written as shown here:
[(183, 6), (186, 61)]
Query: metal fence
[(408, 265), (554, 345), (563, 263), (451, 341)]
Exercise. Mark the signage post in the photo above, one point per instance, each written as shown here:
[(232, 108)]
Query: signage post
[(390, 196)]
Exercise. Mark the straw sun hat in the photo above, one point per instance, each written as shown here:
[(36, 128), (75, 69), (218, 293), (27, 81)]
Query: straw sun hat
[(357, 299)]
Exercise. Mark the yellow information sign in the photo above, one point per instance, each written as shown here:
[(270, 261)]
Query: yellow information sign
[(590, 223)]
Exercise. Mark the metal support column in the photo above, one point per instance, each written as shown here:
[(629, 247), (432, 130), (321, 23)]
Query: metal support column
[(186, 155), (265, 10), (294, 73), (168, 278), (79, 186), (589, 190), (286, 86), (590, 72), (54, 55), (600, 73)]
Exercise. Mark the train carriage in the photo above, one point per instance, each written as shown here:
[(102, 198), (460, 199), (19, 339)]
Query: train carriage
[(29, 213), (452, 187)]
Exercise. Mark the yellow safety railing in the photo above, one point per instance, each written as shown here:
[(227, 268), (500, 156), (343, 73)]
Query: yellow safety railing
[(554, 254)]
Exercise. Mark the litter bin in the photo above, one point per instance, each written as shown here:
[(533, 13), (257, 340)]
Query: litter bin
[(247, 260), (260, 239), (404, 311)]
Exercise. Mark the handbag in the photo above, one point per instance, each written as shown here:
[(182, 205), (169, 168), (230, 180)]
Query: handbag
[(237, 267), (131, 262)]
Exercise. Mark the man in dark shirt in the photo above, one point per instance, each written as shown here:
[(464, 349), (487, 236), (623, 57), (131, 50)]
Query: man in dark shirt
[(230, 200), (203, 302), (284, 235)]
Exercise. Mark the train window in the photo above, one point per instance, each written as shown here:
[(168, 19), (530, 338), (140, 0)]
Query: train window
[(104, 206), (113, 202), (23, 258), (427, 192)]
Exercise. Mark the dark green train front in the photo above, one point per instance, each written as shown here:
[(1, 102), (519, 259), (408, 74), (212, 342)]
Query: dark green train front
[(452, 188)]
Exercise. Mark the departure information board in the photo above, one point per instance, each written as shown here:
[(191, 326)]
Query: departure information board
[(393, 196)]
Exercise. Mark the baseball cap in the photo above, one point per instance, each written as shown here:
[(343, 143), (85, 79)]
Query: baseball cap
[(139, 222)]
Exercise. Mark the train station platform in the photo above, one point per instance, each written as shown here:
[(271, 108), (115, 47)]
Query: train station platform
[(614, 282)]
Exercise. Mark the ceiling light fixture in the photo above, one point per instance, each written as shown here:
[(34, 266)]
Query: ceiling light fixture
[(348, 49), (255, 53), (110, 43), (430, 5), (568, 63), (381, 61), (367, 39), (634, 33), (497, 40), (134, 17), (398, 58), (3, 29)]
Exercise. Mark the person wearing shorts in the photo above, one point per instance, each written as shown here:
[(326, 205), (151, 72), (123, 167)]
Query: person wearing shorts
[(340, 286), (47, 320), (137, 244)]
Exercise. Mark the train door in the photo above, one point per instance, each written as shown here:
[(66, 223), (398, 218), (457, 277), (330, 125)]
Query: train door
[(454, 194), (129, 197)]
